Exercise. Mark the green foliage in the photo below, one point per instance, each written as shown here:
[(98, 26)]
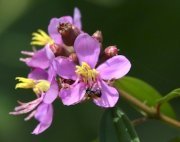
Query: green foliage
[(177, 139), (116, 127), (173, 94), (143, 92)]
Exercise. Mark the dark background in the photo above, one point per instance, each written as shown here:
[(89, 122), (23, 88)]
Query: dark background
[(146, 31)]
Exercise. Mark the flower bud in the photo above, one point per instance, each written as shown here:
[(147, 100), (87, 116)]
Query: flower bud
[(56, 49), (98, 35), (68, 32), (73, 57), (111, 51)]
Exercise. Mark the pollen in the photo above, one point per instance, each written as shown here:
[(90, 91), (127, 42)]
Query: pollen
[(40, 38), (38, 86), (87, 74)]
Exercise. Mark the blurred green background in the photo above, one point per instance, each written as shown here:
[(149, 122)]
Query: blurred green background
[(146, 31)]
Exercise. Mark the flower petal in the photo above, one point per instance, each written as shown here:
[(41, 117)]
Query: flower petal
[(109, 96), (50, 55), (44, 115), (52, 93), (54, 24), (39, 60), (51, 73), (38, 74), (114, 68), (73, 95), (77, 18), (65, 68), (57, 38), (87, 49)]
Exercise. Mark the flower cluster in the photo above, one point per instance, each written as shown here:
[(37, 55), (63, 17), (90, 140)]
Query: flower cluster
[(72, 66)]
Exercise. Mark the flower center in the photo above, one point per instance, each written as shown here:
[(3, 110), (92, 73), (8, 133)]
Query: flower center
[(38, 86), (40, 38), (87, 74)]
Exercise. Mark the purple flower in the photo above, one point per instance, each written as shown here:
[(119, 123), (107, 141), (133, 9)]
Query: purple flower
[(53, 44), (55, 22), (41, 108), (90, 81)]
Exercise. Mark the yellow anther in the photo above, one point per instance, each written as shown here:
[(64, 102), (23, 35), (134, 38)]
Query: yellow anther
[(40, 38), (87, 74), (38, 86), (25, 83), (41, 86)]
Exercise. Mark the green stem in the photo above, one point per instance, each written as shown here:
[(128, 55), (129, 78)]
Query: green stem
[(150, 111)]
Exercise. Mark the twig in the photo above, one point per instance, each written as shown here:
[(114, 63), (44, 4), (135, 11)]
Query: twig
[(150, 111)]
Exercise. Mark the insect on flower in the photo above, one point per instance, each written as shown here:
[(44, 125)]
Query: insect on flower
[(94, 94)]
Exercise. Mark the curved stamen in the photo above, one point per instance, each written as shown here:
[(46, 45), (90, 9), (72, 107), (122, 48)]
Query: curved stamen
[(40, 38), (38, 86)]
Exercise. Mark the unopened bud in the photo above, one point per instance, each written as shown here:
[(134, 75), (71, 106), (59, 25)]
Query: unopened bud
[(56, 49), (68, 32), (98, 35), (111, 51), (73, 57)]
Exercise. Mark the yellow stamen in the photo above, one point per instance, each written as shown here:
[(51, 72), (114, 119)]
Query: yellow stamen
[(25, 83), (41, 86), (38, 86), (88, 75), (40, 38)]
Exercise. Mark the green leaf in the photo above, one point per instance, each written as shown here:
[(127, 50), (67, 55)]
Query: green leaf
[(143, 92), (116, 127), (173, 94)]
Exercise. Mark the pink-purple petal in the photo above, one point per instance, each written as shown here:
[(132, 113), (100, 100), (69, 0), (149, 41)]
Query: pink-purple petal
[(65, 68), (109, 96), (66, 19), (72, 95), (53, 26), (44, 115), (57, 38), (87, 49), (51, 73), (39, 60), (77, 18), (114, 68), (40, 128), (52, 93), (50, 55), (38, 74)]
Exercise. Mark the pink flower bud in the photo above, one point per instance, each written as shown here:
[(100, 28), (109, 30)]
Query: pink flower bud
[(98, 35), (111, 51), (73, 57), (68, 32), (56, 49)]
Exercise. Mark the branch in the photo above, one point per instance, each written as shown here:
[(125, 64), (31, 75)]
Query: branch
[(150, 111)]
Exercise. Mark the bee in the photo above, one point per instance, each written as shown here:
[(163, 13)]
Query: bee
[(94, 94)]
